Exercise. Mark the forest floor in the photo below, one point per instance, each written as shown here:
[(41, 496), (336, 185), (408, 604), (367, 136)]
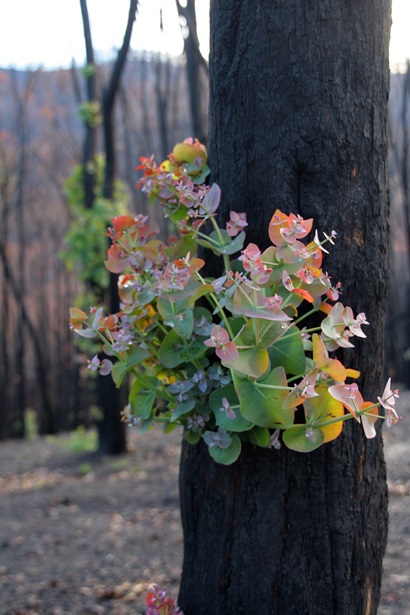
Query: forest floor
[(83, 535)]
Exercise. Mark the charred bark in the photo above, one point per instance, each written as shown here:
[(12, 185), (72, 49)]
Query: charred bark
[(298, 113)]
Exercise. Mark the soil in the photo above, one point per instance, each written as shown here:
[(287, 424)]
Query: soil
[(84, 535)]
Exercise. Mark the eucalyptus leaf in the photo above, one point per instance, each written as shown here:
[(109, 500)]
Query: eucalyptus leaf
[(88, 333), (170, 350), (229, 455), (191, 437), (192, 286), (183, 408), (303, 439), (260, 402), (288, 351), (142, 396), (211, 200), (260, 436), (173, 351), (223, 243), (237, 424), (259, 333), (135, 356), (233, 245), (176, 314), (251, 362)]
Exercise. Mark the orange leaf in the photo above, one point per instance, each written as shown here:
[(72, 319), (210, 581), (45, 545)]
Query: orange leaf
[(278, 221), (352, 373), (303, 293), (326, 408), (77, 317), (325, 307)]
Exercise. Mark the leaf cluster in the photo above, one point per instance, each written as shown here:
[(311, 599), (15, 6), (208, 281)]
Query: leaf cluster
[(229, 358)]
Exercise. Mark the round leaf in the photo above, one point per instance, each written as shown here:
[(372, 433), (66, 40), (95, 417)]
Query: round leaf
[(302, 438), (229, 455), (237, 424)]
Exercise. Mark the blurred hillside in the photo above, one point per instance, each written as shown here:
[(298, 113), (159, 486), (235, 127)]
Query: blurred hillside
[(43, 375), (41, 141), (397, 350)]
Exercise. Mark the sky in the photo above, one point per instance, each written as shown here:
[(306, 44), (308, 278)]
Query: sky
[(49, 33)]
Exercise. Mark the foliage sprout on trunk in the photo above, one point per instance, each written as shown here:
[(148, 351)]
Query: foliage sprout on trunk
[(230, 358)]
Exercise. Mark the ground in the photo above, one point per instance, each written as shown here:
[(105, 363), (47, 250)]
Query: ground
[(82, 535)]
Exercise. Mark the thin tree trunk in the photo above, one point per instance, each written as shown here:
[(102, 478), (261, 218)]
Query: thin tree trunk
[(162, 70), (47, 422), (194, 63), (112, 438), (109, 97), (5, 312), (21, 97), (90, 136), (406, 204), (298, 114)]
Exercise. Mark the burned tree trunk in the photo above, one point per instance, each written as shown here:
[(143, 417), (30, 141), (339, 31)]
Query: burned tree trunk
[(298, 110)]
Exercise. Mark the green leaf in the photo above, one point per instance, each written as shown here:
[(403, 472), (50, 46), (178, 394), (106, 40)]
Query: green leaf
[(204, 289), (169, 427), (183, 408), (229, 455), (132, 358), (198, 176), (288, 352), (260, 436), (170, 352), (191, 287), (255, 304), (232, 245), (191, 437), (201, 312), (296, 438), (173, 351), (146, 425), (184, 245), (252, 362), (215, 401), (142, 399), (223, 244), (260, 333), (176, 315), (184, 323), (166, 308), (269, 258), (262, 405)]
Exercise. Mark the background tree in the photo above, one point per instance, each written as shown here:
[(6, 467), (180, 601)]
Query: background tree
[(197, 70), (90, 110), (298, 107), (111, 429)]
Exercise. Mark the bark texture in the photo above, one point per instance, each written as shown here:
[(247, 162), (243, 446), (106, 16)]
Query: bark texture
[(298, 109)]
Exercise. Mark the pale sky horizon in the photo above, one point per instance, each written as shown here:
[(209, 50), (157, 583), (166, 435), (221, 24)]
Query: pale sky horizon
[(51, 33)]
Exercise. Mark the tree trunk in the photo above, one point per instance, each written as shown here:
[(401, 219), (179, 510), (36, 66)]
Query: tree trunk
[(90, 129), (194, 63), (298, 109), (111, 430)]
